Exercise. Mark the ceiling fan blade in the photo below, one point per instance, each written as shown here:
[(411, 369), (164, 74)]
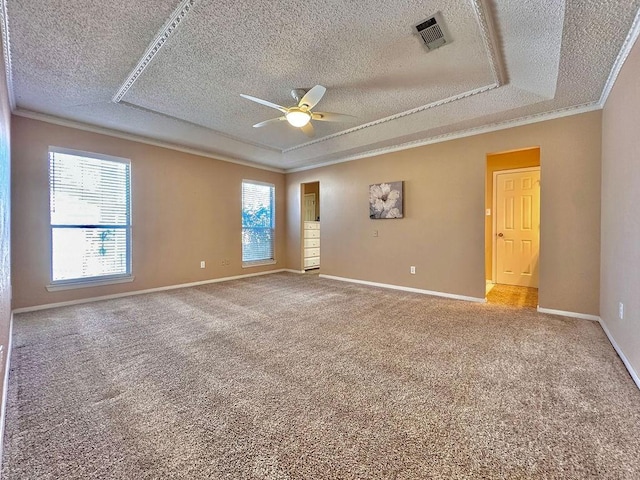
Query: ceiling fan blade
[(312, 97), (332, 117), (308, 130), (264, 102), (266, 122)]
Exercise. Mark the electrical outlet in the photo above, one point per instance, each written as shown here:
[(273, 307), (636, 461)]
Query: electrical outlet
[(621, 310), (375, 233), (412, 270), (202, 264), (225, 262)]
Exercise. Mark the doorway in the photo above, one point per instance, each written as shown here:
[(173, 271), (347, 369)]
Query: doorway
[(310, 213), (512, 227)]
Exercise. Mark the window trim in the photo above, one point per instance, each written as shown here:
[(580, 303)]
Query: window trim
[(93, 282), (98, 280), (266, 261)]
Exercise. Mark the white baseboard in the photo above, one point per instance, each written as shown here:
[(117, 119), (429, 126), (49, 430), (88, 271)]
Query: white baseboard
[(407, 289), (584, 316), (141, 292), (622, 356), (596, 318), (5, 384), (291, 270)]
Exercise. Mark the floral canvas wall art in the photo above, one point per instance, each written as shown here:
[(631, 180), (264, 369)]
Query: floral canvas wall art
[(385, 200)]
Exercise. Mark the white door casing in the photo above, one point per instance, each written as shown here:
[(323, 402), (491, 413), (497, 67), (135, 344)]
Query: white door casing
[(516, 244)]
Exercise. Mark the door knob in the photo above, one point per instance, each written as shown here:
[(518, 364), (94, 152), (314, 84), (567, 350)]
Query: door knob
[(501, 234)]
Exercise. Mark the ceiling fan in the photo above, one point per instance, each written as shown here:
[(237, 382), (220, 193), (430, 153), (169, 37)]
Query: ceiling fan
[(300, 115)]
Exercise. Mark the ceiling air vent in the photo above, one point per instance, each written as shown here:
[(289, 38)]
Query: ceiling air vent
[(433, 32)]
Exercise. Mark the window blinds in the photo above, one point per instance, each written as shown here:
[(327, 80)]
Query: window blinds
[(90, 216), (258, 222)]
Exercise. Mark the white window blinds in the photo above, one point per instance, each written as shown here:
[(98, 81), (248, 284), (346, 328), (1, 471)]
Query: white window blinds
[(258, 223), (90, 216)]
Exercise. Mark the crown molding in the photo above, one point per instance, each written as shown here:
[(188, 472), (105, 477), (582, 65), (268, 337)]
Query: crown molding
[(494, 127), (540, 117), (154, 47), (140, 139), (487, 32), (628, 44), (197, 125), (489, 37), (6, 42), (438, 103)]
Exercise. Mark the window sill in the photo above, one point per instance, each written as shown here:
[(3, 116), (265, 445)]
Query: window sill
[(55, 287), (258, 263)]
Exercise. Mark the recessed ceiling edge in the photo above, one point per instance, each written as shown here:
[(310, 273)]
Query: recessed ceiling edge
[(629, 42), (487, 32), (163, 35), (6, 42), (518, 122)]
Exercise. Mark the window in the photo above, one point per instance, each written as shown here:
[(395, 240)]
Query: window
[(258, 223), (90, 217)]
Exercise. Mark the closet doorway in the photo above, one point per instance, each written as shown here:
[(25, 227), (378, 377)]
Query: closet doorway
[(310, 211)]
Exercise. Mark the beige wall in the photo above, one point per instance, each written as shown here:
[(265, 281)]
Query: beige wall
[(620, 261), (185, 208), (529, 157), (5, 229), (443, 232)]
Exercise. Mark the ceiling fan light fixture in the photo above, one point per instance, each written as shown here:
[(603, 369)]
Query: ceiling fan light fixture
[(298, 118)]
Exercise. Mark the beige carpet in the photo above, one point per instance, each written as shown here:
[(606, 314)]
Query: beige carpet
[(511, 295), (291, 376)]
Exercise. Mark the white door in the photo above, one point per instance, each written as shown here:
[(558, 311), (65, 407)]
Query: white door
[(517, 227), (309, 207)]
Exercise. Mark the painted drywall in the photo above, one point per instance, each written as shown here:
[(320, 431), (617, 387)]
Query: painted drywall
[(529, 157), (5, 231), (443, 232), (620, 259), (185, 208)]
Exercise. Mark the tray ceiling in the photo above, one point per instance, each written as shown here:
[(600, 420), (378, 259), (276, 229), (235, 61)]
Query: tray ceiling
[(173, 72)]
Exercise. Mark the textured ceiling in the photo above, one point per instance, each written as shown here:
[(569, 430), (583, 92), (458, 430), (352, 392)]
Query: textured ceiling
[(173, 71)]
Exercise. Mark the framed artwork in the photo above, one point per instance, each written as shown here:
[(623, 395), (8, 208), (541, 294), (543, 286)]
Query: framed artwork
[(385, 200)]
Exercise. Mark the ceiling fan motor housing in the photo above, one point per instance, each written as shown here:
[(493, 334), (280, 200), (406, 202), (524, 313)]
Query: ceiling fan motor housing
[(298, 93)]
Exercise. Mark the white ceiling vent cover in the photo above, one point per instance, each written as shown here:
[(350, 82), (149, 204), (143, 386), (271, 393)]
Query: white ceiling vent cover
[(433, 32)]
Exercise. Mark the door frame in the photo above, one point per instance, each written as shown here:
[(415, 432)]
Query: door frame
[(494, 223), (302, 220)]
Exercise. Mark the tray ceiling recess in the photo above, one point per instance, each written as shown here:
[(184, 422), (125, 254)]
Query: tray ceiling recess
[(411, 73)]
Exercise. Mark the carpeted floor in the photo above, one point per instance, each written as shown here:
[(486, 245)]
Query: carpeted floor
[(291, 376), (523, 297)]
